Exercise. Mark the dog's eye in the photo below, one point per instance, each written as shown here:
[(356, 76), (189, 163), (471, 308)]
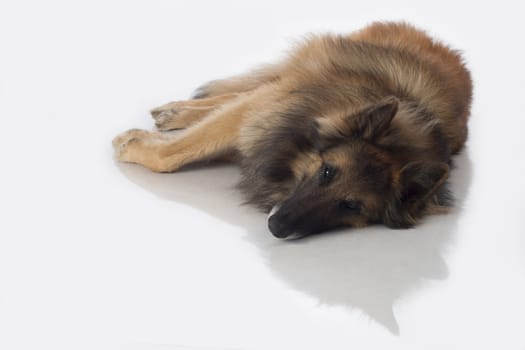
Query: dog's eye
[(351, 206), (327, 174)]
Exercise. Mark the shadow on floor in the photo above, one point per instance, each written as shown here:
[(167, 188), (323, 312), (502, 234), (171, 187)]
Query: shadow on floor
[(367, 269)]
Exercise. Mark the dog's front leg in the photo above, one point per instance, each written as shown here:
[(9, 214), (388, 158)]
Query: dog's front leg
[(183, 114), (214, 137)]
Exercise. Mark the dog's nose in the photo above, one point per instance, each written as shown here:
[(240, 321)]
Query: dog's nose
[(277, 228)]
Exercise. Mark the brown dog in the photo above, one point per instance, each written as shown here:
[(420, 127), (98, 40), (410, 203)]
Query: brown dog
[(349, 130)]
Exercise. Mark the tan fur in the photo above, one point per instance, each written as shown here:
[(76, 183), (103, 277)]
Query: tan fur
[(182, 114), (214, 137)]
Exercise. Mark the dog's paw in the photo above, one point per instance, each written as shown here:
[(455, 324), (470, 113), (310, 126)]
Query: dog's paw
[(167, 120), (168, 109), (123, 142), (144, 148), (168, 116), (180, 114)]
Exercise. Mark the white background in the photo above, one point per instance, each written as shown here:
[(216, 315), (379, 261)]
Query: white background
[(98, 255)]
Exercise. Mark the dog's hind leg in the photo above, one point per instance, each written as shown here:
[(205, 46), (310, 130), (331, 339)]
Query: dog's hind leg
[(241, 83), (183, 114), (215, 137)]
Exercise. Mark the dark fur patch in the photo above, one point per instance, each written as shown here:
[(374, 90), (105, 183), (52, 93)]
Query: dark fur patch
[(270, 172)]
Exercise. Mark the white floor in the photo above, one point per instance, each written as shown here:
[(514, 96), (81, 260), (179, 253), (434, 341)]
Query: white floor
[(98, 255)]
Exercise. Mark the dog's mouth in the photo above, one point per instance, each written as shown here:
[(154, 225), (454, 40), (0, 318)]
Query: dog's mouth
[(278, 229)]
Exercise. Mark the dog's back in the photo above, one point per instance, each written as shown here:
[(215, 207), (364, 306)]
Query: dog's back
[(387, 59), (447, 63)]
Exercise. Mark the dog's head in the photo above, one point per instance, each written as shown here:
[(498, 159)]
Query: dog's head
[(354, 177)]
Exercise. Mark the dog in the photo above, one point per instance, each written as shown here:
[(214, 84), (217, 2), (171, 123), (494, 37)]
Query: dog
[(347, 131)]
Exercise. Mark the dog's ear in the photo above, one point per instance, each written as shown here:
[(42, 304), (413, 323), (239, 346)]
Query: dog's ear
[(372, 122), (420, 180), (368, 123)]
